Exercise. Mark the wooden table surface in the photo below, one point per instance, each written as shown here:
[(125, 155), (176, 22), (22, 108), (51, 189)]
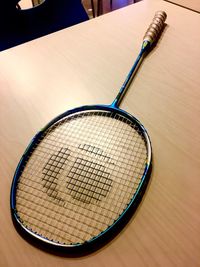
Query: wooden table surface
[(86, 64), (191, 4)]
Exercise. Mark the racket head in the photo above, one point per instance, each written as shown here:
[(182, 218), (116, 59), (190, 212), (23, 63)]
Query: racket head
[(103, 234)]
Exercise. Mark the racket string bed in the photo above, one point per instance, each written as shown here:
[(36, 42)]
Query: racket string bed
[(94, 176)]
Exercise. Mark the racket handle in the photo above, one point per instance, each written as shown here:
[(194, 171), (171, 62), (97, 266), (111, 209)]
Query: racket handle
[(155, 28)]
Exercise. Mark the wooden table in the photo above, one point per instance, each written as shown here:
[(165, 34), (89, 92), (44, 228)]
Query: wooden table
[(86, 64)]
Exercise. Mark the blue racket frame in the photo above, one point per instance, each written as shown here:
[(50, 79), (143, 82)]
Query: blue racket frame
[(112, 230)]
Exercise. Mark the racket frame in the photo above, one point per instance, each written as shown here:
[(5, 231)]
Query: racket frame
[(123, 218)]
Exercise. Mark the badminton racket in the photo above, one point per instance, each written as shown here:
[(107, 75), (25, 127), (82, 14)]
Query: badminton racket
[(84, 172)]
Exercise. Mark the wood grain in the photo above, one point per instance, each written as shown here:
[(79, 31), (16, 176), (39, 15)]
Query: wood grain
[(86, 64)]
